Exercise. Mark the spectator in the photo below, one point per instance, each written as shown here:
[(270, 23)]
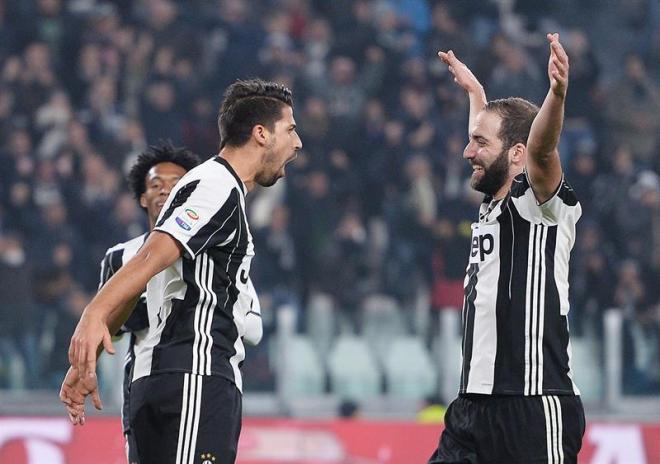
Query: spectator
[(633, 111), (19, 336), (84, 86)]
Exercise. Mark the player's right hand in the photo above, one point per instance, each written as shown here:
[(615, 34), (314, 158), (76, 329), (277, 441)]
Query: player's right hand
[(462, 74)]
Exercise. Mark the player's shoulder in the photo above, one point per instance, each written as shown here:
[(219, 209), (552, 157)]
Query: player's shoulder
[(521, 187), (135, 242)]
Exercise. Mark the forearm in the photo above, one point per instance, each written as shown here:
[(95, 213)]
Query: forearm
[(478, 101), (546, 129), (116, 299)]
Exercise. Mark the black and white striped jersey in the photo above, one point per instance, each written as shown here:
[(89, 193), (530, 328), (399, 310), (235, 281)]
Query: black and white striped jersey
[(198, 305), (515, 324), (114, 259)]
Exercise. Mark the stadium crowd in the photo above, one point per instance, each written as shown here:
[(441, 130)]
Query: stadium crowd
[(377, 201)]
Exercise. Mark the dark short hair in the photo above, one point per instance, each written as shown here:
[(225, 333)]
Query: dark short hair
[(248, 103), (164, 152), (517, 116)]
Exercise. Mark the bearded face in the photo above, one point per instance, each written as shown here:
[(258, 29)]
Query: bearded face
[(490, 179)]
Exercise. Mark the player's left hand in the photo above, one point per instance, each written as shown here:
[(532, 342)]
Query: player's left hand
[(71, 394), (557, 66)]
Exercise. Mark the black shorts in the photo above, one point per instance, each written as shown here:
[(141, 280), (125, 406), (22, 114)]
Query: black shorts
[(185, 418), (511, 429)]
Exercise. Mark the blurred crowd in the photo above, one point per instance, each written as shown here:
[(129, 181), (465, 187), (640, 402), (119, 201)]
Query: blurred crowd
[(377, 201)]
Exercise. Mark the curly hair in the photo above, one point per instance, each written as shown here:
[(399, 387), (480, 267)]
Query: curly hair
[(248, 103), (164, 152)]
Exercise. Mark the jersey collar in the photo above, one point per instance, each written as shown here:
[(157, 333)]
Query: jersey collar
[(226, 164)]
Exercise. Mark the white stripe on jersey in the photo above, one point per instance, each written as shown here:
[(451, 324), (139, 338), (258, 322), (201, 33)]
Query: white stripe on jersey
[(528, 312), (541, 311), (535, 310), (206, 328), (203, 313), (561, 269), (237, 313)]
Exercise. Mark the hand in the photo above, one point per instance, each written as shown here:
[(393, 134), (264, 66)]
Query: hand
[(73, 392), (557, 66), (462, 74), (72, 397), (90, 332)]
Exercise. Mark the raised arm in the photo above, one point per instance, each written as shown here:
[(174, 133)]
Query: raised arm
[(543, 163), (464, 77)]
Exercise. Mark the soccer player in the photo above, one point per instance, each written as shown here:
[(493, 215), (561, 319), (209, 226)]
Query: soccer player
[(517, 401), (185, 400)]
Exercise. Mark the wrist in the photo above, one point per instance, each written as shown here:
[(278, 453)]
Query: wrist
[(90, 315)]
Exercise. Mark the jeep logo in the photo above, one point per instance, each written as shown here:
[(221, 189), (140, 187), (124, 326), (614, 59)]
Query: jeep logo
[(482, 245)]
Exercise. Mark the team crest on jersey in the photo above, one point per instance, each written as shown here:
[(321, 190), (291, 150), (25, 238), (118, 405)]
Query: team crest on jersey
[(183, 224), (207, 458)]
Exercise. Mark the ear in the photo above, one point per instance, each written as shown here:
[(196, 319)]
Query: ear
[(143, 201), (261, 134), (517, 153)]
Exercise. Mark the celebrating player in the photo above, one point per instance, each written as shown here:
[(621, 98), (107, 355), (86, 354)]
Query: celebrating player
[(517, 401), (185, 398)]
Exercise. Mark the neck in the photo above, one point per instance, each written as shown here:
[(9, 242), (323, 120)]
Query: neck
[(504, 190), (245, 161)]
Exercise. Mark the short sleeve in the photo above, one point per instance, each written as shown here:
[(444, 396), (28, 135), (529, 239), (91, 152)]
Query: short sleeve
[(201, 213), (110, 264), (562, 206)]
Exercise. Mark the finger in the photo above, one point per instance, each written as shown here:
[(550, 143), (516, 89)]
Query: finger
[(559, 66), (560, 52), (76, 412), (96, 399), (455, 61), (89, 363), (107, 343), (75, 420)]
